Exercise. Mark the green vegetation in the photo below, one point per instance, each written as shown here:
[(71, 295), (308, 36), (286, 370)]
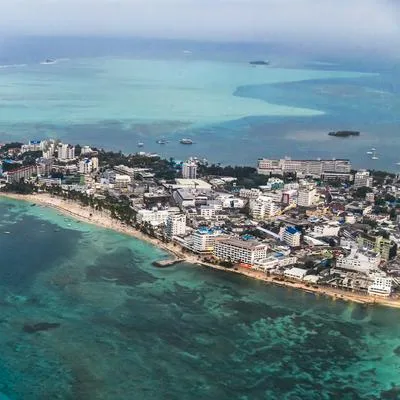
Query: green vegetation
[(12, 145), (246, 176), (10, 167), (20, 187), (119, 208), (163, 169), (361, 192)]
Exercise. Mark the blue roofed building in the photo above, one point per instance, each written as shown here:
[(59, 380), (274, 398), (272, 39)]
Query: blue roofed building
[(291, 236)]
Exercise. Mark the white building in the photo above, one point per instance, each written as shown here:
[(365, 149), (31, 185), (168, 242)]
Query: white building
[(189, 169), (88, 165), (381, 286), (86, 150), (362, 178), (274, 262), (370, 197), (175, 225), (290, 235), (192, 184), (183, 198), (204, 240), (295, 273), (306, 196), (85, 166), (154, 217), (122, 181), (44, 166), (236, 250), (207, 212), (95, 164), (232, 202), (326, 229), (305, 167), (350, 218), (357, 261), (33, 145), (65, 152), (263, 207), (250, 193)]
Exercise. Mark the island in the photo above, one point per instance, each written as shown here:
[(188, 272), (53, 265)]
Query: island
[(238, 219), (344, 134), (259, 62)]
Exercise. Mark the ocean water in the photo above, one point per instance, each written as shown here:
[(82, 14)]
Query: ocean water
[(131, 331), (116, 93)]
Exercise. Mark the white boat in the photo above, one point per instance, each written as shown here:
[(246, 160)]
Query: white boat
[(140, 144), (370, 152), (374, 158), (398, 163), (186, 141)]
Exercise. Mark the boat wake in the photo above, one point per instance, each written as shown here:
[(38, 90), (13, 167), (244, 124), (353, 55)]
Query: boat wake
[(51, 61), (12, 66)]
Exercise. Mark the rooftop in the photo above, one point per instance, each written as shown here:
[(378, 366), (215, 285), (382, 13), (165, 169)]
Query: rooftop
[(244, 244)]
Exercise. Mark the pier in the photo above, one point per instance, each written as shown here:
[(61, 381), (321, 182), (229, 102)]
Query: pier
[(167, 263)]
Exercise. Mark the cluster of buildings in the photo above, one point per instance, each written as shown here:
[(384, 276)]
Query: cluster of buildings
[(297, 228), (50, 156)]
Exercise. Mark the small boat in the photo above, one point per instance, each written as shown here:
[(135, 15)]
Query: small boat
[(161, 141), (7, 233), (374, 158), (398, 163), (140, 144), (370, 152), (186, 141), (48, 61)]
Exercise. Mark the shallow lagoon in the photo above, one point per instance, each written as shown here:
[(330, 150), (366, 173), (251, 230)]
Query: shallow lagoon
[(129, 330)]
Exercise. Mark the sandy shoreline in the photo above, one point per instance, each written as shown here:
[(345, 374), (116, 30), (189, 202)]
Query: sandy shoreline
[(103, 219)]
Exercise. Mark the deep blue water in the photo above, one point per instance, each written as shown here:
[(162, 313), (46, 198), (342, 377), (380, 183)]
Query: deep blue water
[(131, 331)]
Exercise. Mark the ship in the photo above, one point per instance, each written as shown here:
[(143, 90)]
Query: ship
[(140, 144), (259, 62), (161, 141), (344, 133), (186, 141)]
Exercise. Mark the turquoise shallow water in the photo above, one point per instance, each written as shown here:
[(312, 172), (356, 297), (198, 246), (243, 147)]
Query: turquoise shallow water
[(117, 100), (131, 331)]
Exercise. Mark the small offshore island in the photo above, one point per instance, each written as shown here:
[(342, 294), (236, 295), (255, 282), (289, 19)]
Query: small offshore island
[(344, 134), (314, 225)]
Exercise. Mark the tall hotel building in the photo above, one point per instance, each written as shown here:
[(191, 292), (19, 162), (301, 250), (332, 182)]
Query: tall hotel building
[(236, 250)]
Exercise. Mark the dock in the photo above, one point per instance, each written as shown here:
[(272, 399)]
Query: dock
[(167, 263)]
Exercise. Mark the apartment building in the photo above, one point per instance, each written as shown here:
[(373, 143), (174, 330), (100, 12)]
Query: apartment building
[(237, 250), (175, 225), (306, 167)]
